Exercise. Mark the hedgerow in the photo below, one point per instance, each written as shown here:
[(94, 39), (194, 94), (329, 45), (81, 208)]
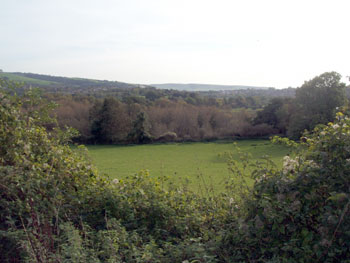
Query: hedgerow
[(301, 212)]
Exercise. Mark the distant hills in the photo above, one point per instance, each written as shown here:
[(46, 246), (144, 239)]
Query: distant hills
[(54, 82), (61, 83), (205, 87)]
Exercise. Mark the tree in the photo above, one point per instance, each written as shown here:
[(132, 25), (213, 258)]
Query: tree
[(140, 131), (275, 114), (316, 101), (74, 112), (110, 122)]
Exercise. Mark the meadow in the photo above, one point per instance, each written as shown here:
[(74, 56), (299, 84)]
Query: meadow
[(23, 79), (196, 164)]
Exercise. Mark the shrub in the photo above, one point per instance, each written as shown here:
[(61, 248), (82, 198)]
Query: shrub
[(299, 213), (42, 182), (167, 137)]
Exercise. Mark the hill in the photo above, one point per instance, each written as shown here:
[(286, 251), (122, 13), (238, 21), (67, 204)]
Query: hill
[(55, 82), (122, 90), (205, 87), (58, 82)]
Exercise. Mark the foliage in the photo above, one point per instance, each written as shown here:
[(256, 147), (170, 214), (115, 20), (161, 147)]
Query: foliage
[(140, 131), (276, 114), (316, 101), (245, 96), (110, 122), (39, 182), (87, 106), (299, 213), (54, 207)]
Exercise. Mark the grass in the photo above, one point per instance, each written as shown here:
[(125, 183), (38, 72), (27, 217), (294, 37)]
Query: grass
[(18, 78), (200, 163)]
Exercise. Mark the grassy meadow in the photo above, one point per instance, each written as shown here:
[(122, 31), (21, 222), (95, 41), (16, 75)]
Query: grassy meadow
[(202, 164), (20, 79)]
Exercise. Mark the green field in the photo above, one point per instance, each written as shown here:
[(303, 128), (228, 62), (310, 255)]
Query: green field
[(18, 78), (201, 163)]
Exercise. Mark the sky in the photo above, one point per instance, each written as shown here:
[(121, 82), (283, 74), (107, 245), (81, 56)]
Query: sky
[(273, 43)]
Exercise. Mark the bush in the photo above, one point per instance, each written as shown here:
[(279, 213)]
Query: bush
[(42, 183), (299, 213), (167, 137)]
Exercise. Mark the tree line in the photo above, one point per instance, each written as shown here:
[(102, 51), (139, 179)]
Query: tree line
[(111, 121), (192, 117)]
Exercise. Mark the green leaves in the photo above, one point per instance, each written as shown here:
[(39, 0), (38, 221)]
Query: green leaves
[(305, 205)]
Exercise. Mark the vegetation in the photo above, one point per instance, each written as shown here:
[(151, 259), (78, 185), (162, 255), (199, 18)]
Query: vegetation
[(300, 213), (316, 102), (202, 167), (108, 125), (187, 116), (53, 83), (191, 117), (111, 121), (24, 79), (139, 133), (105, 112), (204, 87), (75, 85), (55, 207)]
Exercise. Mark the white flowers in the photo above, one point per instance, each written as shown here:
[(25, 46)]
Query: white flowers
[(289, 164), (231, 201), (312, 164)]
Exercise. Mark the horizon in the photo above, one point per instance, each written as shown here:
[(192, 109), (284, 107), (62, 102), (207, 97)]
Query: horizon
[(233, 43), (173, 83), (344, 79)]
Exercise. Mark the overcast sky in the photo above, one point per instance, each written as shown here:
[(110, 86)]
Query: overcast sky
[(247, 42)]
